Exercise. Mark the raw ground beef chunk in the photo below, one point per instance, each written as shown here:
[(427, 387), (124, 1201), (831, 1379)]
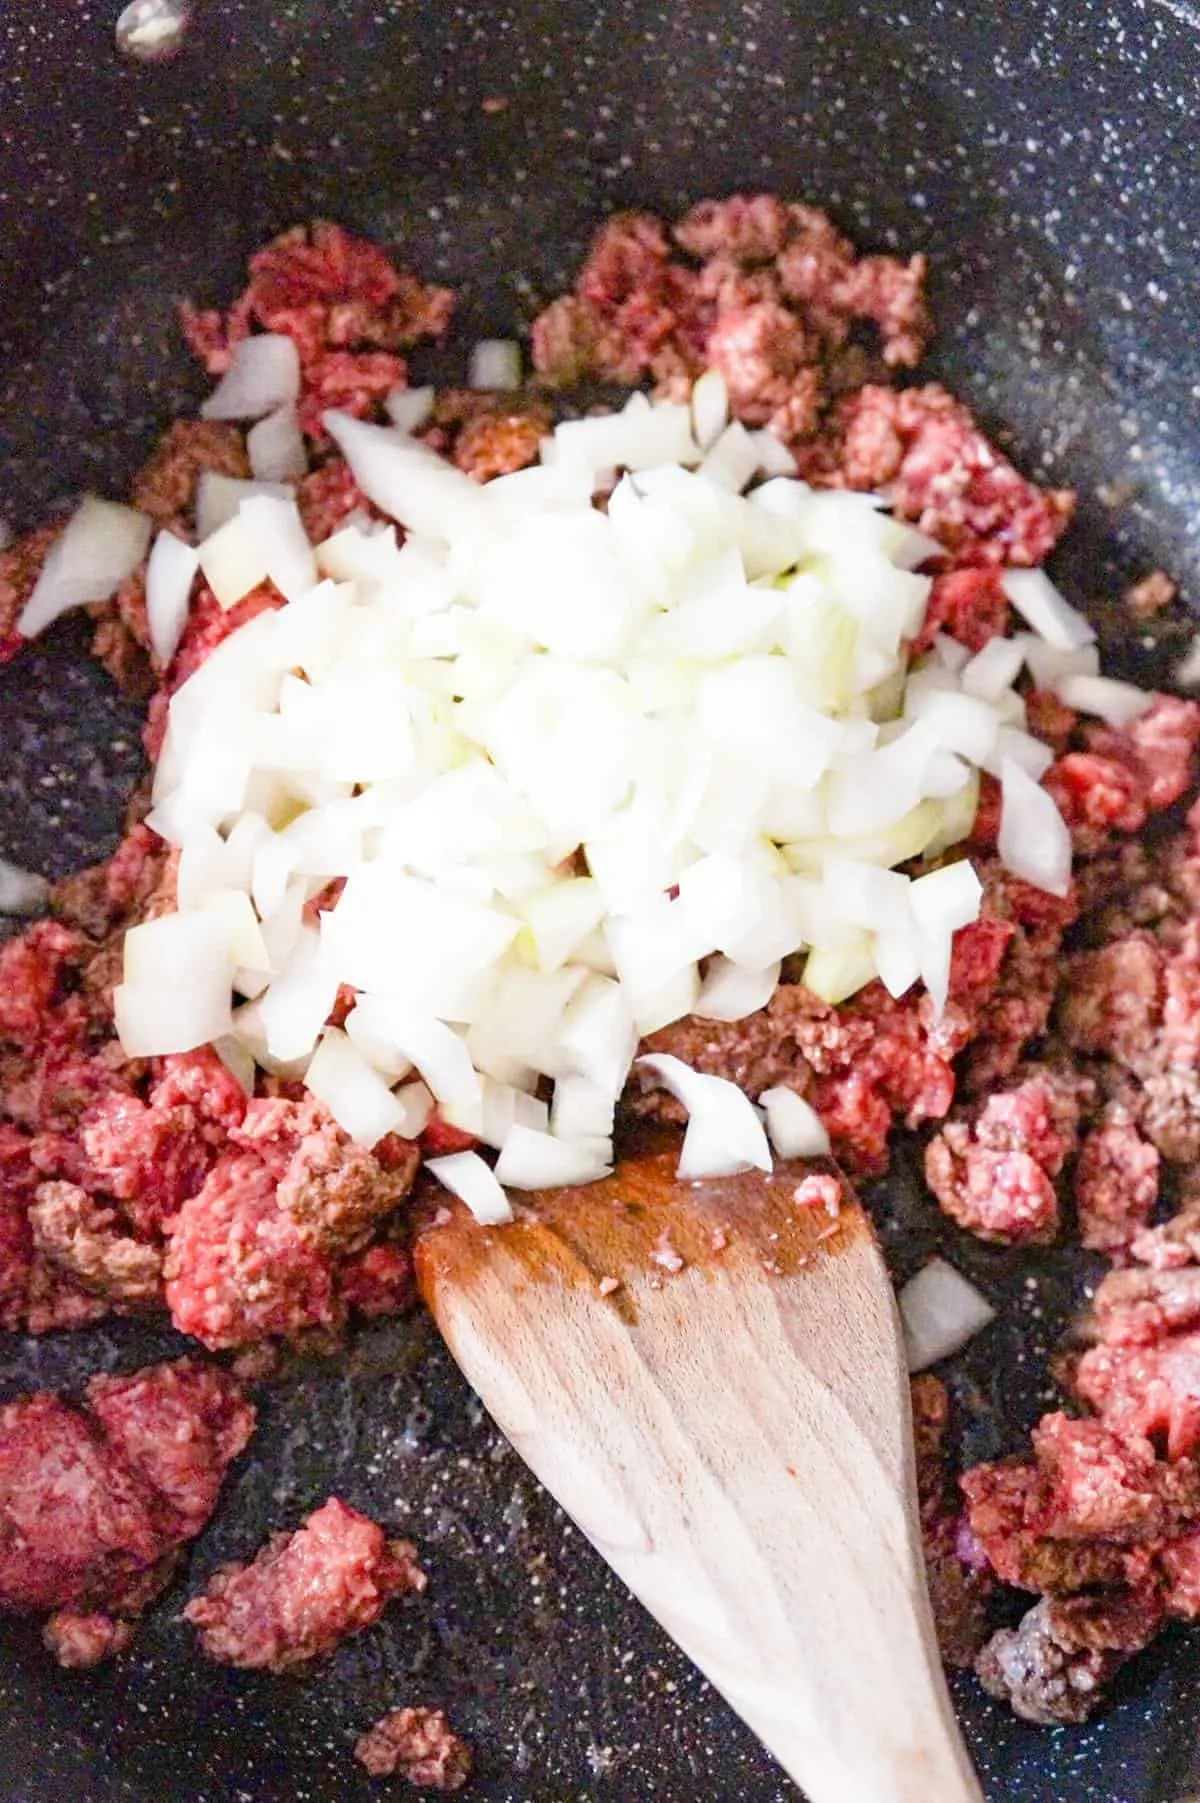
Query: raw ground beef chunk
[(96, 1502), (1104, 1528), (1053, 1667), (420, 1745), (255, 1251), (771, 295), (995, 1175), (304, 1592)]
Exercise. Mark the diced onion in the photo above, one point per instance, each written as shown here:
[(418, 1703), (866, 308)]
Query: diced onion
[(218, 498), (495, 363), (794, 1127), (534, 1160), (409, 408), (941, 1312), (263, 374), (724, 1132), (356, 1096), (101, 545), (1117, 703), (169, 577), (1033, 842), (1049, 613), (575, 772), (21, 891), (275, 447), (732, 991), (467, 1176)]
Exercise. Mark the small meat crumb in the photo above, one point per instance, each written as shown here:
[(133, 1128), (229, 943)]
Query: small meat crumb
[(1149, 596), (607, 1286), (420, 1745), (665, 1254), (79, 1642), (304, 1592), (819, 1192)]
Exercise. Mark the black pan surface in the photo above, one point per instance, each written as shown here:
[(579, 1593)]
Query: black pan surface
[(1045, 157)]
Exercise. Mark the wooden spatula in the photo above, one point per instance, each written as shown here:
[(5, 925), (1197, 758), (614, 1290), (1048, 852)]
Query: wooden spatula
[(709, 1378)]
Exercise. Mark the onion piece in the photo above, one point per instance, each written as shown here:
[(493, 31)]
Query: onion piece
[(941, 1312), (534, 1160), (992, 669), (1033, 842), (418, 1106), (1117, 703), (794, 1127), (98, 549), (22, 892), (1048, 612), (467, 1176), (233, 561), (406, 481), (409, 408), (580, 1110), (356, 1096), (597, 1038), (276, 528), (732, 991), (495, 363), (263, 374), (275, 447), (433, 1047), (219, 497), (710, 408), (169, 577), (724, 1133), (178, 984)]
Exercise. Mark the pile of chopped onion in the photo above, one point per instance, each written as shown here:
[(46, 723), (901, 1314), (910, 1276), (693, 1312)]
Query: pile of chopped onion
[(578, 771)]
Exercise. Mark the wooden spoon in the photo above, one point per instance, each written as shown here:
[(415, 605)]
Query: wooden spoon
[(709, 1378)]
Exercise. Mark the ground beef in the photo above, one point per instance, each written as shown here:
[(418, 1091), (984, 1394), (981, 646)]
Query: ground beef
[(968, 605), (73, 1520), (861, 1065), (1116, 1186), (20, 566), (328, 496), (1095, 1506), (85, 1239), (344, 305), (165, 487), (378, 1281), (304, 1592), (1050, 1668), (239, 1268), (771, 305), (992, 1171), (336, 1192), (1112, 998), (33, 970), (80, 1641), (1148, 597), (93, 1504), (1150, 1391), (921, 448), (420, 1745), (179, 1426), (499, 441)]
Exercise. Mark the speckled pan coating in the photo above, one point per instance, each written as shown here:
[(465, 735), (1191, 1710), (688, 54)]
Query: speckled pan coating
[(1045, 156)]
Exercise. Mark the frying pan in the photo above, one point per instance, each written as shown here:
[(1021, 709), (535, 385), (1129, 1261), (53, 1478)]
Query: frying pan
[(1045, 157)]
